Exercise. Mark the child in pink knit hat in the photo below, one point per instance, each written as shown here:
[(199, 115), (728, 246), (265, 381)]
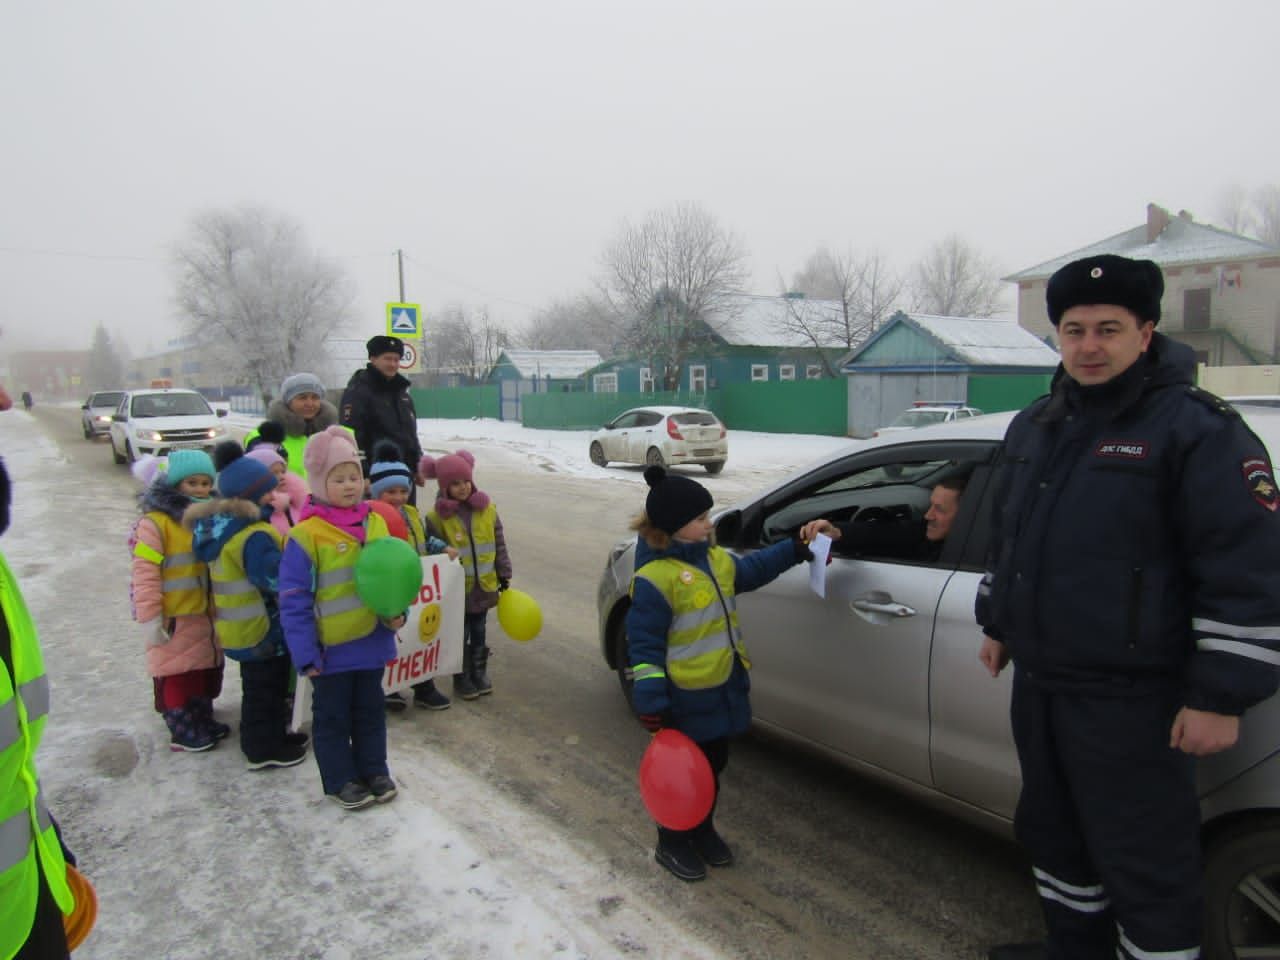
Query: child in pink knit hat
[(467, 520), (290, 496)]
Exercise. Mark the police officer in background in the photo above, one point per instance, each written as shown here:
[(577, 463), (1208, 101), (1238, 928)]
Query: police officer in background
[(1136, 587), (377, 406)]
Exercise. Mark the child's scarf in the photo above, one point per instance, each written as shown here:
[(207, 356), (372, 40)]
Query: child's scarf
[(447, 507), (347, 519)]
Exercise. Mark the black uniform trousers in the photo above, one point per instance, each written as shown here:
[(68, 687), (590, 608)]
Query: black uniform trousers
[(1109, 815)]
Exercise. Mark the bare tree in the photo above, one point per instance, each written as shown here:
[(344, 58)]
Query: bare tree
[(575, 323), (1266, 204), (1233, 209), (466, 342), (257, 301), (955, 280), (666, 279), (866, 287)]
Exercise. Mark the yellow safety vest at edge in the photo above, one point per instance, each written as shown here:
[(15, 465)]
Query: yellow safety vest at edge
[(341, 615), (240, 615), (183, 578), (479, 551)]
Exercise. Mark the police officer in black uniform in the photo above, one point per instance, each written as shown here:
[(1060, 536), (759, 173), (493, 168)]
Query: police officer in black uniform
[(377, 406), (1135, 584)]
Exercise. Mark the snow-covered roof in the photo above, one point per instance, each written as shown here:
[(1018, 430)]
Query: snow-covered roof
[(971, 341), (1182, 241), (748, 320), (558, 364)]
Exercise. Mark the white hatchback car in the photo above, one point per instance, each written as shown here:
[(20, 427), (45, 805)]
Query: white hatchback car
[(667, 436), (160, 421)]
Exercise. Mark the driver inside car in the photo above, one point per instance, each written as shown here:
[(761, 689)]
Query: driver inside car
[(904, 538)]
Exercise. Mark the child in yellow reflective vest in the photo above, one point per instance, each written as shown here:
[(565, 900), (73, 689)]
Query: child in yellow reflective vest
[(390, 482), (687, 658), (169, 594), (231, 534), (333, 637)]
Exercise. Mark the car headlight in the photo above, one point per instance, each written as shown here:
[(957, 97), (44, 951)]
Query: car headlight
[(152, 436), (102, 419), (216, 432)]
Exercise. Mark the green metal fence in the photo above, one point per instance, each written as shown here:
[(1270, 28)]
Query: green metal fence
[(456, 403), (996, 393)]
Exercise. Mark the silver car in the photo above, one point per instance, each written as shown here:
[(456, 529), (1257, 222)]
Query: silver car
[(883, 674), (95, 413)]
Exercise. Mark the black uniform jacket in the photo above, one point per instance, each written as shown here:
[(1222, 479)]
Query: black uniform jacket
[(376, 408), (1137, 540)]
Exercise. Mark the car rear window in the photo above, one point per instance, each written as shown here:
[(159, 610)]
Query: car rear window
[(695, 418), (920, 418), (106, 399)]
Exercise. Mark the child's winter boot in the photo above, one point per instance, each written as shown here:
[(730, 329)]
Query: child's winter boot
[(479, 678), (185, 735), (675, 852), (463, 685), (202, 710)]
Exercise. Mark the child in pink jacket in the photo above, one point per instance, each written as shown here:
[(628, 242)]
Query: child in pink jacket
[(290, 496), (169, 591)]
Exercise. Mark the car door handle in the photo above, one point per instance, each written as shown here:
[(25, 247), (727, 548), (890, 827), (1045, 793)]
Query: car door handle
[(882, 604)]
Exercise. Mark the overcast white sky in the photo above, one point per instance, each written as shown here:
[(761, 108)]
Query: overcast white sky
[(501, 144)]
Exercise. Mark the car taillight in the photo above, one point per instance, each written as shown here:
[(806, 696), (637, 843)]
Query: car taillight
[(722, 431), (673, 431), (876, 434)]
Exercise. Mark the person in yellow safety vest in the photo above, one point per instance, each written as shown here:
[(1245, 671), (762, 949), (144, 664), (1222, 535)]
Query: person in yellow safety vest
[(467, 520), (169, 591), (687, 659), (243, 553), (333, 637), (34, 893)]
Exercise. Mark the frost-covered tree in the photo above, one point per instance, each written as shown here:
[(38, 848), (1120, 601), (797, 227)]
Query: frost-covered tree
[(258, 301), (573, 323), (955, 280), (866, 287), (463, 341)]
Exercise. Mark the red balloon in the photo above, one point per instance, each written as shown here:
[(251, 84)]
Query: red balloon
[(676, 783), (395, 520)]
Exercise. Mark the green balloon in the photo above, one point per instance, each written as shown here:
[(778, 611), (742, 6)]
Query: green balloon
[(388, 576)]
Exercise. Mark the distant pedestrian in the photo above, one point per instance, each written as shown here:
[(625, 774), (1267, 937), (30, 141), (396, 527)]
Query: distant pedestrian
[(685, 648), (333, 637), (466, 519), (390, 481), (243, 554), (169, 592), (377, 406), (301, 411), (27, 401)]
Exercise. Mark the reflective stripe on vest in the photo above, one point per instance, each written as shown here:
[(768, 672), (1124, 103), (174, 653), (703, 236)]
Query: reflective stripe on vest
[(417, 533), (701, 641), (239, 613), (477, 549), (341, 615), (27, 840), (183, 577)]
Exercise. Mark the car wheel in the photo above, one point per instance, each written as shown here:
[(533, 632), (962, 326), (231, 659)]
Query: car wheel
[(618, 645), (88, 433), (1242, 886), (115, 454), (654, 458), (128, 452), (597, 455), (714, 466)]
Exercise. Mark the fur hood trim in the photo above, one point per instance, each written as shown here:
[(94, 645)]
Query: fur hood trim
[(295, 426), (241, 509)]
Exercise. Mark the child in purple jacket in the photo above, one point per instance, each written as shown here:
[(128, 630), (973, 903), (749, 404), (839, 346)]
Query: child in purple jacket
[(333, 637)]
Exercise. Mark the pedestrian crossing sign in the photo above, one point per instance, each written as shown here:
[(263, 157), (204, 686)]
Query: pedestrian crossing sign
[(404, 320)]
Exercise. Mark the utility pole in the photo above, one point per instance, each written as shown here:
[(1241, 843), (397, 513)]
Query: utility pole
[(400, 270)]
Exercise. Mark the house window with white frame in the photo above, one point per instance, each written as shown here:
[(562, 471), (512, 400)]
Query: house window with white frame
[(646, 380), (813, 371), (786, 371), (698, 378), (759, 371), (604, 383)]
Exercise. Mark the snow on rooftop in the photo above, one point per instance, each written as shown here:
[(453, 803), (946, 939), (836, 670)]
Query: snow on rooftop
[(558, 364), (758, 321), (1182, 241), (980, 341)]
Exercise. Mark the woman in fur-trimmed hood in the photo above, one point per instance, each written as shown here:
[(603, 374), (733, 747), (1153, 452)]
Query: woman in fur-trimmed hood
[(299, 412)]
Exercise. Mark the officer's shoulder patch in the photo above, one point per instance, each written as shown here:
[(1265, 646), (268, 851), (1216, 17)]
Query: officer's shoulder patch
[(1212, 401), (1260, 480)]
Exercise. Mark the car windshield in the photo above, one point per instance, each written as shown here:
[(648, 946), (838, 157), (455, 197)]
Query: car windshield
[(106, 399), (920, 418), (170, 405), (695, 418)]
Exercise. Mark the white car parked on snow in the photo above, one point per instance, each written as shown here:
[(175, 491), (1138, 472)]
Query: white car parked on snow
[(668, 436)]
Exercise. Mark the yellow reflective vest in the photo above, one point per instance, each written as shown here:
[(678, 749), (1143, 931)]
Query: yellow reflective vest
[(703, 636), (341, 615), (240, 615), (28, 843), (477, 551), (417, 532), (184, 579)]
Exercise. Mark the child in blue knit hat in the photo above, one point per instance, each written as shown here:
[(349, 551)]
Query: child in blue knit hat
[(390, 481), (169, 595), (231, 534)]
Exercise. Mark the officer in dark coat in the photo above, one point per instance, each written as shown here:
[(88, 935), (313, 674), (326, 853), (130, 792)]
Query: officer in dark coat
[(376, 405), (1135, 584)]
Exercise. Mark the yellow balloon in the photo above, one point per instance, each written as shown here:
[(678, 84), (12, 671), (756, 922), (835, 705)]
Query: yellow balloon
[(519, 615)]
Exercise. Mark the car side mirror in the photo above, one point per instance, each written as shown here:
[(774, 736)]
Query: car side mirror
[(84, 406), (119, 418), (729, 528), (221, 413)]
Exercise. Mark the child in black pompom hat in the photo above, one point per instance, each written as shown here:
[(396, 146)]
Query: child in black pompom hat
[(682, 601)]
